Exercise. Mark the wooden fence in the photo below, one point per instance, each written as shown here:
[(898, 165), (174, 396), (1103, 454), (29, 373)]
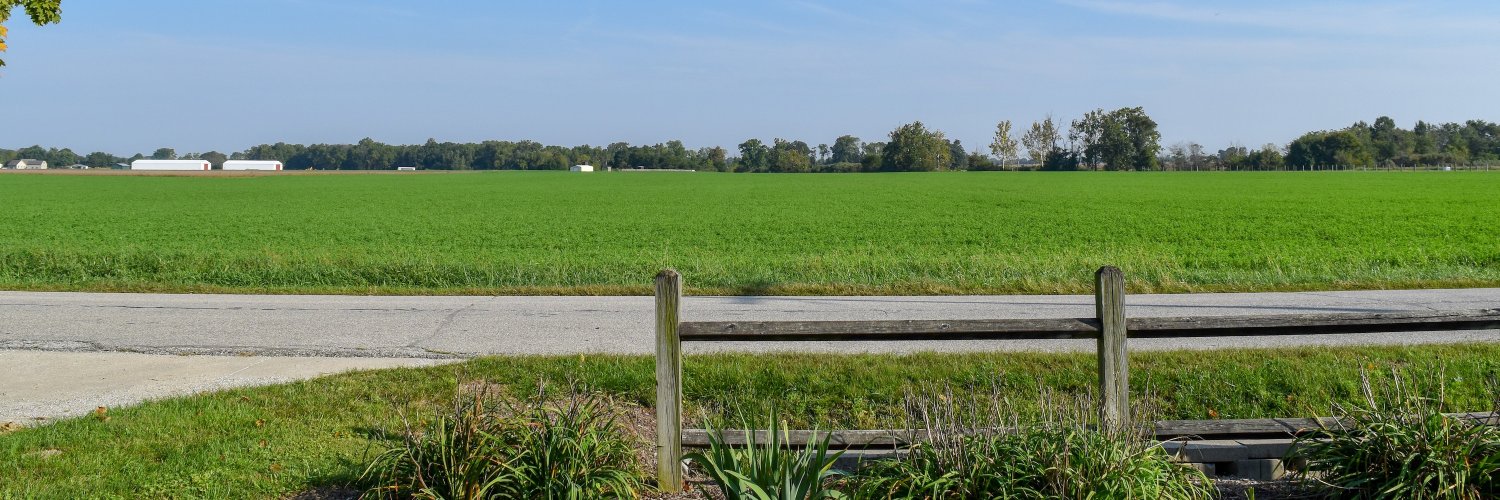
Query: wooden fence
[(1109, 327)]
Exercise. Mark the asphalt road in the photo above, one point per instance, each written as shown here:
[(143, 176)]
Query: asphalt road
[(438, 327)]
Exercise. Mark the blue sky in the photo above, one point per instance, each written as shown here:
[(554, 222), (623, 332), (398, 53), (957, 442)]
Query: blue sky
[(129, 77)]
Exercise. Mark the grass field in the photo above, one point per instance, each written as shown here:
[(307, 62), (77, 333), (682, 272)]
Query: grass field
[(608, 233), (272, 441)]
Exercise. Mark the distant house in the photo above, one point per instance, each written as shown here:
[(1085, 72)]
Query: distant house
[(25, 164), (581, 168), (77, 166)]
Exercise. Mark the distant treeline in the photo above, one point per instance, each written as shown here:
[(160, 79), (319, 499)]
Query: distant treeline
[(1123, 139), (1382, 145)]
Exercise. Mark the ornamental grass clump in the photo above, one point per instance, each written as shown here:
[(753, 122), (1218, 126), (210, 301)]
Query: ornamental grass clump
[(769, 468), (571, 447), (1398, 443), (962, 453)]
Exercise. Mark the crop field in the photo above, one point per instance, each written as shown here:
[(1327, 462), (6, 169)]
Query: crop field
[(609, 233)]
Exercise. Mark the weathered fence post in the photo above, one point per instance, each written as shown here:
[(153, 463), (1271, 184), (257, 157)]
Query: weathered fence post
[(668, 382), (1114, 374)]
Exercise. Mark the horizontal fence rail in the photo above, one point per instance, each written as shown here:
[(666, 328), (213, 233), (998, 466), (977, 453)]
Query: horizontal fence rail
[(1109, 328), (1088, 328), (772, 331), (1250, 428)]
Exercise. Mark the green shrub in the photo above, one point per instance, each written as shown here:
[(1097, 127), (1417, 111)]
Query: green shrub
[(769, 469), (1042, 461), (1399, 444), (977, 446), (489, 447)]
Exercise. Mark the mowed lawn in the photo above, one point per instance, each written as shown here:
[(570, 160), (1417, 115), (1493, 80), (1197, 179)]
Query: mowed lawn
[(609, 233)]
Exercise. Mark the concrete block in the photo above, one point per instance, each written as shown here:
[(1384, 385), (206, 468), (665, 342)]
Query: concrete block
[(853, 460), (1206, 451), (1267, 448), (1207, 469), (1261, 469)]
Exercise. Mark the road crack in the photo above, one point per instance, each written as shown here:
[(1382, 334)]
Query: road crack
[(443, 325)]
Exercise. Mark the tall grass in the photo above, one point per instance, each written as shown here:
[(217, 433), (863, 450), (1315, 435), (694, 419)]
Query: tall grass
[(490, 447), (980, 449), (1398, 444), (932, 233)]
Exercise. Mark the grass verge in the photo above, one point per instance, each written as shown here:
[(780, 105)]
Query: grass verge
[(276, 440)]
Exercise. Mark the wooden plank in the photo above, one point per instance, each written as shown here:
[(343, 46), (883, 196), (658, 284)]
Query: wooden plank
[(1274, 427), (668, 382), (1036, 328), (1313, 324), (1114, 371), (1087, 328), (858, 439), (1218, 429), (1162, 429)]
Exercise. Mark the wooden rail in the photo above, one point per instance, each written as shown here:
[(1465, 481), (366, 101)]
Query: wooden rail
[(1252, 428), (1109, 327), (1088, 328)]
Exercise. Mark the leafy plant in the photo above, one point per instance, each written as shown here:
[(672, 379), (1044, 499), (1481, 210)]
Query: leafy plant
[(1399, 444), (770, 469), (1045, 461), (490, 447), (979, 450)]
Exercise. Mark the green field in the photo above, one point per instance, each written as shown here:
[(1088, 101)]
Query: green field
[(608, 233)]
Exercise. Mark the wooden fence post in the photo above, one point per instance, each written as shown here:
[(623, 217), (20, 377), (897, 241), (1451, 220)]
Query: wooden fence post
[(668, 382), (1114, 374)]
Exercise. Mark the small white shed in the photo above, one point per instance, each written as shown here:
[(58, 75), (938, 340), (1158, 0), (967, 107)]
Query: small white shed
[(581, 168)]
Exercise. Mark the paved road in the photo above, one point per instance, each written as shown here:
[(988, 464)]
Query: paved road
[(63, 354), (436, 327)]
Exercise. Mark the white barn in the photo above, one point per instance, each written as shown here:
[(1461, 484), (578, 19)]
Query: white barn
[(581, 168)]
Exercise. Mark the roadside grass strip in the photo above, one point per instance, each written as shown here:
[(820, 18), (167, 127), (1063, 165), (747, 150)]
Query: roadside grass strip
[(278, 440)]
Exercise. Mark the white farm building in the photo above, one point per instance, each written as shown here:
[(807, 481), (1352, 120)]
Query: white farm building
[(581, 168), (170, 165), (25, 164), (252, 165)]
